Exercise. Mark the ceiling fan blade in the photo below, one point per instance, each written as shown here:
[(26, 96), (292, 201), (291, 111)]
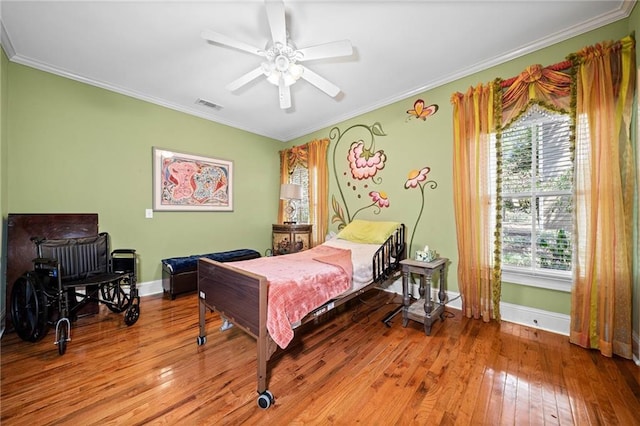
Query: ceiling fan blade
[(284, 93), (326, 50), (218, 38), (275, 14), (248, 77), (320, 82)]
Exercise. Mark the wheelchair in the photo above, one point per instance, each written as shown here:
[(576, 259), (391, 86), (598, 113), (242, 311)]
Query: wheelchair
[(68, 274)]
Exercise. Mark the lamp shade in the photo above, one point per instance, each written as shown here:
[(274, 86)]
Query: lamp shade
[(290, 191)]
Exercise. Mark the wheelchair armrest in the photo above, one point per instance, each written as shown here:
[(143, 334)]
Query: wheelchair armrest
[(45, 261), (120, 251)]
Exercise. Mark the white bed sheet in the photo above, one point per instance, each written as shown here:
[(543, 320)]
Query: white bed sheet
[(362, 262), (361, 259)]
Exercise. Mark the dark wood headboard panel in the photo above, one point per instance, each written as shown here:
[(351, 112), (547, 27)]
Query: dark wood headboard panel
[(21, 250)]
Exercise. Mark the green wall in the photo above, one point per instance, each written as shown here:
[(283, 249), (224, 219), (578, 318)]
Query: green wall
[(75, 148), (78, 148), (413, 144)]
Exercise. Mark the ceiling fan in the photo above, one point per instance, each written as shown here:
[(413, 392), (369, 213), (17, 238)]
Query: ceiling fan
[(282, 65)]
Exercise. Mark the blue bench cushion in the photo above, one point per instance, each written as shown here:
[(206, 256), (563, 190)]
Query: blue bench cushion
[(176, 265)]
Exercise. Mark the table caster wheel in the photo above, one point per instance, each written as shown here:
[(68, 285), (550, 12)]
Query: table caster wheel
[(202, 340)]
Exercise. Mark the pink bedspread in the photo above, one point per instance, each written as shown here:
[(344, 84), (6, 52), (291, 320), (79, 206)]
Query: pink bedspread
[(299, 283)]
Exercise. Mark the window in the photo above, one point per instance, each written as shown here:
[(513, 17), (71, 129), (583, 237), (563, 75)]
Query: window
[(537, 201), (300, 176)]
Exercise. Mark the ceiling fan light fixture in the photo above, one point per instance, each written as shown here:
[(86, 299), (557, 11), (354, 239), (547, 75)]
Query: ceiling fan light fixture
[(281, 55), (274, 78), (296, 71), (290, 74), (282, 63)]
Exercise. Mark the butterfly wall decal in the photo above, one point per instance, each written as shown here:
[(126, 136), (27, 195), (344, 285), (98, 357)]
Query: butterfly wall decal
[(420, 111)]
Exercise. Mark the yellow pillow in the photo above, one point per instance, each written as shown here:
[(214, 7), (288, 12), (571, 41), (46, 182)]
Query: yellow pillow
[(368, 232)]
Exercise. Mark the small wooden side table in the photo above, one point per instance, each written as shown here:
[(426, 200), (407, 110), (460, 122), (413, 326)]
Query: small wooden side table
[(423, 310), (290, 238)]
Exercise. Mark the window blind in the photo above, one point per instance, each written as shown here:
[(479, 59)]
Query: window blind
[(537, 182), (300, 176)]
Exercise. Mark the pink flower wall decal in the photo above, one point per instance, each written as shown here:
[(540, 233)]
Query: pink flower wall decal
[(416, 177), (364, 163), (380, 200)]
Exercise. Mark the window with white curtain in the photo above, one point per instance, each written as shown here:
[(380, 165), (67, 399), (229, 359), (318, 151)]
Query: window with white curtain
[(537, 202), (300, 175)]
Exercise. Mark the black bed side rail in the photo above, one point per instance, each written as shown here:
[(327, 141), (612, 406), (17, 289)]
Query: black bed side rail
[(387, 258)]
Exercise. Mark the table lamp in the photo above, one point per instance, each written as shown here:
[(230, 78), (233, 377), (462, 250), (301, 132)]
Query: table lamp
[(291, 192)]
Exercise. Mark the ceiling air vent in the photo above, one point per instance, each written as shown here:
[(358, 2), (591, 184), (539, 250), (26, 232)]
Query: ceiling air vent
[(207, 103)]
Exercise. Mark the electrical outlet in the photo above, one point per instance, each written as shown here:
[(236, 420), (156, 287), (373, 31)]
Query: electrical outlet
[(148, 213)]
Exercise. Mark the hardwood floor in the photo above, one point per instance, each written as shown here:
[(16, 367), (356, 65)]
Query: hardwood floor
[(346, 370)]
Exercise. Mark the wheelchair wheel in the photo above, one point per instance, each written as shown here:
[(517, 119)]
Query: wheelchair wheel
[(62, 340), (132, 314), (117, 300), (29, 309)]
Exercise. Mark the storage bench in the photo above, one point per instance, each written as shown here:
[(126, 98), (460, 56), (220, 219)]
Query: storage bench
[(180, 274)]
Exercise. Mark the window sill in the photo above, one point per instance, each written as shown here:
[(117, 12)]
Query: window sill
[(539, 280)]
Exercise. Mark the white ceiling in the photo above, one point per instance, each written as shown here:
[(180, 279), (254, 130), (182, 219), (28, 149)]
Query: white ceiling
[(152, 50)]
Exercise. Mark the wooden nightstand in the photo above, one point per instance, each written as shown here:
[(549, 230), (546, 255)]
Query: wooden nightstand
[(423, 310), (290, 238)]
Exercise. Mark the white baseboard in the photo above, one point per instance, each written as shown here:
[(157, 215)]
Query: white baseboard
[(518, 314), (532, 317), (149, 288)]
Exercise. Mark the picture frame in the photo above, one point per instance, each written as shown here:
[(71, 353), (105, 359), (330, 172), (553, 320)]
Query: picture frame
[(188, 182)]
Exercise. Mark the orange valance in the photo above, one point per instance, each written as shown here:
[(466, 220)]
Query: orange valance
[(546, 86)]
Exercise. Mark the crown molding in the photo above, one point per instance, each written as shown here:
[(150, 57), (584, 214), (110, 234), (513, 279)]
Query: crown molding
[(622, 12), (6, 42)]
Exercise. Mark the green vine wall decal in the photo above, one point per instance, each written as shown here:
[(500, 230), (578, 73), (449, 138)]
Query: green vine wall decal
[(380, 200), (365, 162), (418, 179)]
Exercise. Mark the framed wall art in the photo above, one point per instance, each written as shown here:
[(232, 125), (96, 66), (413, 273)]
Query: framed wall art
[(187, 182)]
